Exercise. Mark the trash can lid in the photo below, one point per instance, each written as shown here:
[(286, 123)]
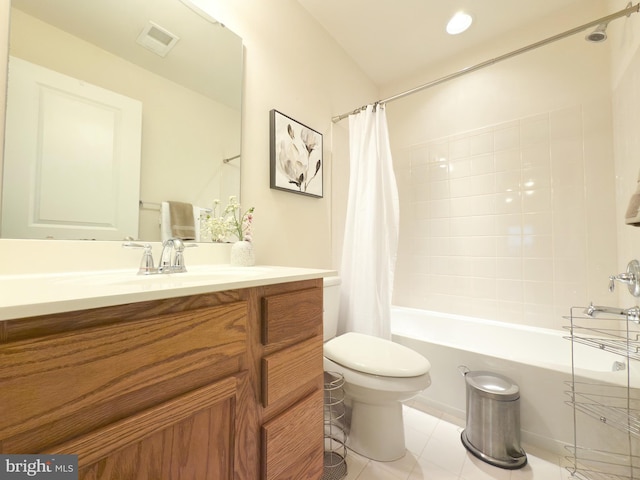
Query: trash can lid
[(493, 385)]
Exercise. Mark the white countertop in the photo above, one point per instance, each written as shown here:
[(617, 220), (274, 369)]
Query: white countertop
[(31, 294)]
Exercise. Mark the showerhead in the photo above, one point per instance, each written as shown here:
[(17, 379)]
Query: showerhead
[(599, 34)]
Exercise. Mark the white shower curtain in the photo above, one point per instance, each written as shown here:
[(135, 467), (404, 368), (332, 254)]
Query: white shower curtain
[(371, 231)]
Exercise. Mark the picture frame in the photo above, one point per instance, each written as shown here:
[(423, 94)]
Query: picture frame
[(297, 163)]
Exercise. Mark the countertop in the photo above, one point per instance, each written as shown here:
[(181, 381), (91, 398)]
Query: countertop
[(28, 295)]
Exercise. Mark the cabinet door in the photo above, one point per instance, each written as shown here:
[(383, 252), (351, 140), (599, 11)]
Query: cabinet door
[(190, 437)]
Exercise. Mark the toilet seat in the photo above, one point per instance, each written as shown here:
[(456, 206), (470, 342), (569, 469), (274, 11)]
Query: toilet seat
[(375, 356)]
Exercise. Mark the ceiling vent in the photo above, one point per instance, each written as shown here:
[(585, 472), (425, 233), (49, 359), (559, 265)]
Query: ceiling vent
[(157, 39)]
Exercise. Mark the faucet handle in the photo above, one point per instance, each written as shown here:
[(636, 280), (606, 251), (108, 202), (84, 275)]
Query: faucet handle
[(146, 264), (631, 278), (178, 261)]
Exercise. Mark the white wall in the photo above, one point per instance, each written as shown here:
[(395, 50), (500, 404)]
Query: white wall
[(292, 65), (477, 237)]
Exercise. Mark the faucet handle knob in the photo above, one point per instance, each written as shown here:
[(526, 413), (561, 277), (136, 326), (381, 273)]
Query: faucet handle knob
[(129, 244), (631, 278), (146, 264)]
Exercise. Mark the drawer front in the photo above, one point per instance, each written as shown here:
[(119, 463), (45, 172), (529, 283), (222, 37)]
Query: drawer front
[(287, 370), (65, 381), (293, 442), (291, 316)]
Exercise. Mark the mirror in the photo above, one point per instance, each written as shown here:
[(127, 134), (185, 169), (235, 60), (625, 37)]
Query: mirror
[(190, 97)]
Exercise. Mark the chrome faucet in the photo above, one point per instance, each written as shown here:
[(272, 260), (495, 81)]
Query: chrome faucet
[(168, 263), (175, 264)]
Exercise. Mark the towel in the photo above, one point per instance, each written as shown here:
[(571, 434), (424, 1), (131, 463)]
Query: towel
[(177, 221), (632, 217)]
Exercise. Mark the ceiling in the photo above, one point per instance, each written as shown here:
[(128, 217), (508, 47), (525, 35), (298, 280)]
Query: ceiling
[(114, 25), (381, 35)]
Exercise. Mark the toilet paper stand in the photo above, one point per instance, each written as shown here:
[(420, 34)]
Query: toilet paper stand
[(335, 450)]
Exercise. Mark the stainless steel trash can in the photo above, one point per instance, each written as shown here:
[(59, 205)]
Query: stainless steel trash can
[(492, 432)]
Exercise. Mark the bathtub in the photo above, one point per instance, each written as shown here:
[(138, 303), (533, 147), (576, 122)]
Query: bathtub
[(537, 359)]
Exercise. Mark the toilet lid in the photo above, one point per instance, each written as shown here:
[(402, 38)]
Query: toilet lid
[(375, 356)]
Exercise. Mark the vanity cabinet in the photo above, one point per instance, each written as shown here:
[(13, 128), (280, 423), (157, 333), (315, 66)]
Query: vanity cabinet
[(185, 387)]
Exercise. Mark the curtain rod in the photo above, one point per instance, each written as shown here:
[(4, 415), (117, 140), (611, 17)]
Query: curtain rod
[(624, 12), (227, 160)]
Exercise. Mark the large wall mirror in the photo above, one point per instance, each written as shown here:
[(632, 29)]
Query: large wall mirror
[(182, 72)]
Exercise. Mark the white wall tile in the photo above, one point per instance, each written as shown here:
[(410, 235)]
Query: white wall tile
[(419, 155), (459, 168), (566, 123), (508, 181), (438, 151), (506, 138), (507, 159), (534, 130), (536, 156), (505, 229), (538, 269), (539, 223), (481, 143), (537, 246), (509, 268), (438, 171), (484, 163), (460, 148), (508, 203), (536, 200), (509, 224)]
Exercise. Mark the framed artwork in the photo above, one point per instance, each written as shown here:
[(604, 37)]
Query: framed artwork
[(296, 156)]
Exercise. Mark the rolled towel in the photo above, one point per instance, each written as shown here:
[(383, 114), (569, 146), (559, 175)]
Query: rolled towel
[(177, 221), (197, 212)]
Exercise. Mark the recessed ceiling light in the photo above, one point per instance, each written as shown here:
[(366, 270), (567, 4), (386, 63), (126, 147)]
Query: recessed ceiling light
[(459, 23)]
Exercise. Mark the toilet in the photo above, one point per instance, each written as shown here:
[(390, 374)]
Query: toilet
[(378, 376)]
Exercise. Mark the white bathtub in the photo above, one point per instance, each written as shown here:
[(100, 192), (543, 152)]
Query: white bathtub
[(537, 359)]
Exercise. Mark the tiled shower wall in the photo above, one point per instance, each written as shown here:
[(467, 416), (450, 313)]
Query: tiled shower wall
[(513, 222)]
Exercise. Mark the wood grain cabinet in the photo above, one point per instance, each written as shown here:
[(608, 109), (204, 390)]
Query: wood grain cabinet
[(170, 389), (292, 441)]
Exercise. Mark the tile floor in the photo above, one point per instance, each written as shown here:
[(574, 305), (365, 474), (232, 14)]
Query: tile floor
[(435, 452)]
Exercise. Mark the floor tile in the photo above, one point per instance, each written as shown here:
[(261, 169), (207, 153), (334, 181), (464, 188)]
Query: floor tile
[(435, 452), (475, 469)]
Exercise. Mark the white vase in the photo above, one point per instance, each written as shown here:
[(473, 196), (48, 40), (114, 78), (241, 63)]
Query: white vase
[(242, 254)]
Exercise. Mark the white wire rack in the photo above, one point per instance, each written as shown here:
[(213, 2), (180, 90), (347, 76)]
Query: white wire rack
[(613, 405)]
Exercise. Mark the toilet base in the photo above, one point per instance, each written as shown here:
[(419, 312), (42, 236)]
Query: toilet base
[(377, 431)]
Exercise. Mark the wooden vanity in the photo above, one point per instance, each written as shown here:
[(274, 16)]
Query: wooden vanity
[(219, 385)]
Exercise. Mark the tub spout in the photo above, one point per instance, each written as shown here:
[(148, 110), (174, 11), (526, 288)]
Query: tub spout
[(632, 314)]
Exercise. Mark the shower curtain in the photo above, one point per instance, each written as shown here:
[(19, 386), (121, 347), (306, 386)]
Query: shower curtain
[(371, 231)]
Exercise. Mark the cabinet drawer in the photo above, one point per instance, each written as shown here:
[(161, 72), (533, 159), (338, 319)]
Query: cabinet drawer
[(293, 442), (287, 370), (292, 315)]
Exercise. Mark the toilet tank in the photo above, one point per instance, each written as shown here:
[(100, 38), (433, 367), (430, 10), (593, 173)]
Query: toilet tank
[(331, 306)]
